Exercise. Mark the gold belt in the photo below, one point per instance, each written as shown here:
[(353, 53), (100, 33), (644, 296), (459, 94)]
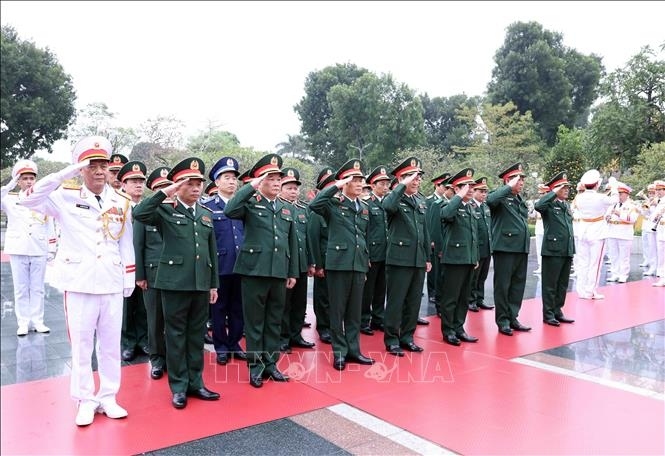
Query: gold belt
[(591, 220)]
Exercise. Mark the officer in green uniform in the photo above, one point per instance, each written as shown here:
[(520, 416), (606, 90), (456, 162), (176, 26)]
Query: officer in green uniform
[(407, 257), (296, 297), (374, 293), (268, 264), (116, 161), (510, 246), (347, 259), (148, 250), (186, 275), (558, 248), (442, 194), (317, 240), (477, 299), (460, 257)]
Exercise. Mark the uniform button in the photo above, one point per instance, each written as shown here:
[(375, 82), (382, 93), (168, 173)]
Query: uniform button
[(456, 245), (275, 237), (194, 223), (170, 261), (99, 256), (275, 249), (197, 257), (195, 233), (251, 250), (336, 247), (555, 239), (178, 222), (510, 234), (400, 242), (197, 244)]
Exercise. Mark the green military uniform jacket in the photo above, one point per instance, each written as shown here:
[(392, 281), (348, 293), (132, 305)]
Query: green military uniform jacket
[(300, 215), (558, 238), (510, 231), (148, 250), (407, 227), (460, 241), (378, 229), (188, 260), (270, 248), (347, 237), (484, 229), (434, 225)]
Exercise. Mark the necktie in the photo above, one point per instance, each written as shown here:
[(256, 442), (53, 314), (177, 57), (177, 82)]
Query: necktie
[(191, 210), (99, 200), (272, 204)]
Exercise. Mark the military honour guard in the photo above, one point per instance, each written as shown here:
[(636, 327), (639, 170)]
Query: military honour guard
[(658, 221), (477, 298), (558, 248), (621, 218)]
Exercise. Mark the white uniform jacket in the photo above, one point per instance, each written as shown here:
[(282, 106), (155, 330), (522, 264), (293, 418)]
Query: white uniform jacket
[(591, 207), (96, 252), (620, 225), (28, 232)]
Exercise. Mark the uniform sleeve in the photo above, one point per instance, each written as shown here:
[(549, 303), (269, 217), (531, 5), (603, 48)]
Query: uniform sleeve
[(37, 198), (449, 211), (320, 203), (146, 210), (235, 208), (139, 248), (543, 203), (391, 201), (127, 251), (294, 260), (314, 239), (494, 198), (212, 251)]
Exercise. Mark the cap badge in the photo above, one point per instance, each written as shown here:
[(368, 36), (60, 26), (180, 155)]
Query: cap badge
[(328, 172), (229, 162), (356, 165), (96, 145), (469, 173), (519, 167), (413, 162), (483, 180), (564, 176), (136, 167), (274, 161), (116, 159), (194, 165), (382, 171), (164, 172), (290, 173)]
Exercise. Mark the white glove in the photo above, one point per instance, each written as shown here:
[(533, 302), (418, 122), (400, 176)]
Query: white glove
[(127, 292), (73, 170)]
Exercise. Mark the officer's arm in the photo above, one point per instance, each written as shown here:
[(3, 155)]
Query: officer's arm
[(314, 239), (391, 201), (320, 202), (146, 210), (38, 197), (495, 198), (235, 208), (449, 211), (4, 191), (542, 204), (139, 248), (212, 252), (294, 261), (127, 256)]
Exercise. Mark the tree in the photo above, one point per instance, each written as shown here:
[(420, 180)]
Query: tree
[(95, 119), (568, 154), (315, 112), (632, 113), (36, 98), (539, 74), (443, 128), (648, 167), (295, 146)]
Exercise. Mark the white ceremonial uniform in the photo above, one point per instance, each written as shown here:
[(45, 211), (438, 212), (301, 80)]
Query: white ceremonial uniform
[(29, 238), (94, 266), (659, 220), (649, 248), (621, 218), (592, 232)]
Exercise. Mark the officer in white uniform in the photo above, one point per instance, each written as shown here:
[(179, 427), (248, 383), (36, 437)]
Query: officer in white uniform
[(648, 207), (621, 218), (592, 227), (29, 238), (658, 219), (94, 267)]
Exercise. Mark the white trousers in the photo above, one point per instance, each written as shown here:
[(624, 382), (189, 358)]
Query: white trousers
[(649, 248), (86, 315), (539, 248), (588, 265), (620, 258), (28, 278), (660, 271)]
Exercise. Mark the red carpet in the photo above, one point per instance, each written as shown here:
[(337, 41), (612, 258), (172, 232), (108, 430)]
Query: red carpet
[(470, 399)]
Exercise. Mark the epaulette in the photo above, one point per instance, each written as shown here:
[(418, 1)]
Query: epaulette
[(124, 195), (205, 207), (71, 186), (362, 201), (431, 196), (13, 193)]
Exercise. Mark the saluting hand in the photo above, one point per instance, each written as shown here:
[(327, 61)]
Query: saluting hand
[(410, 178), (257, 181), (463, 191), (513, 182), (342, 182), (172, 189)]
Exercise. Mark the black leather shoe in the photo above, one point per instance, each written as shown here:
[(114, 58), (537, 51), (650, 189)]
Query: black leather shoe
[(422, 321), (411, 347), (376, 326), (222, 358), (156, 372), (256, 381), (431, 299), (207, 339), (326, 338), (209, 325), (359, 359), (302, 343), (473, 307), (452, 340), (145, 350), (564, 319), (179, 400), (395, 350), (239, 354), (517, 326), (339, 363), (284, 348), (204, 393), (464, 337), (551, 321), (484, 306), (275, 375), (128, 354), (505, 330), (366, 330)]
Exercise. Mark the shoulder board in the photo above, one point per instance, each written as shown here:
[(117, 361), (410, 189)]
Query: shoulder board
[(13, 193), (169, 201), (124, 195), (205, 207), (71, 186), (363, 202), (431, 196)]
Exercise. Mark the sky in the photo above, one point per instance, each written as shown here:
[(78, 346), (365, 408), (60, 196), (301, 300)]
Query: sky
[(242, 66)]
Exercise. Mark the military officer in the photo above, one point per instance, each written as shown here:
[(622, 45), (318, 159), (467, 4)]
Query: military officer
[(407, 257), (30, 238), (347, 260), (477, 299), (268, 264), (317, 241), (510, 245), (187, 275), (116, 162), (591, 207), (374, 293), (539, 230), (558, 248), (621, 218), (95, 242), (227, 318), (649, 250), (658, 220), (134, 336), (442, 193), (460, 257), (296, 297), (148, 250)]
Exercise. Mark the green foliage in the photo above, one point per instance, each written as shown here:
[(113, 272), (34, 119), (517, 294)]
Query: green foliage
[(539, 74), (95, 119), (36, 98), (568, 154), (648, 168), (295, 146), (444, 129)]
